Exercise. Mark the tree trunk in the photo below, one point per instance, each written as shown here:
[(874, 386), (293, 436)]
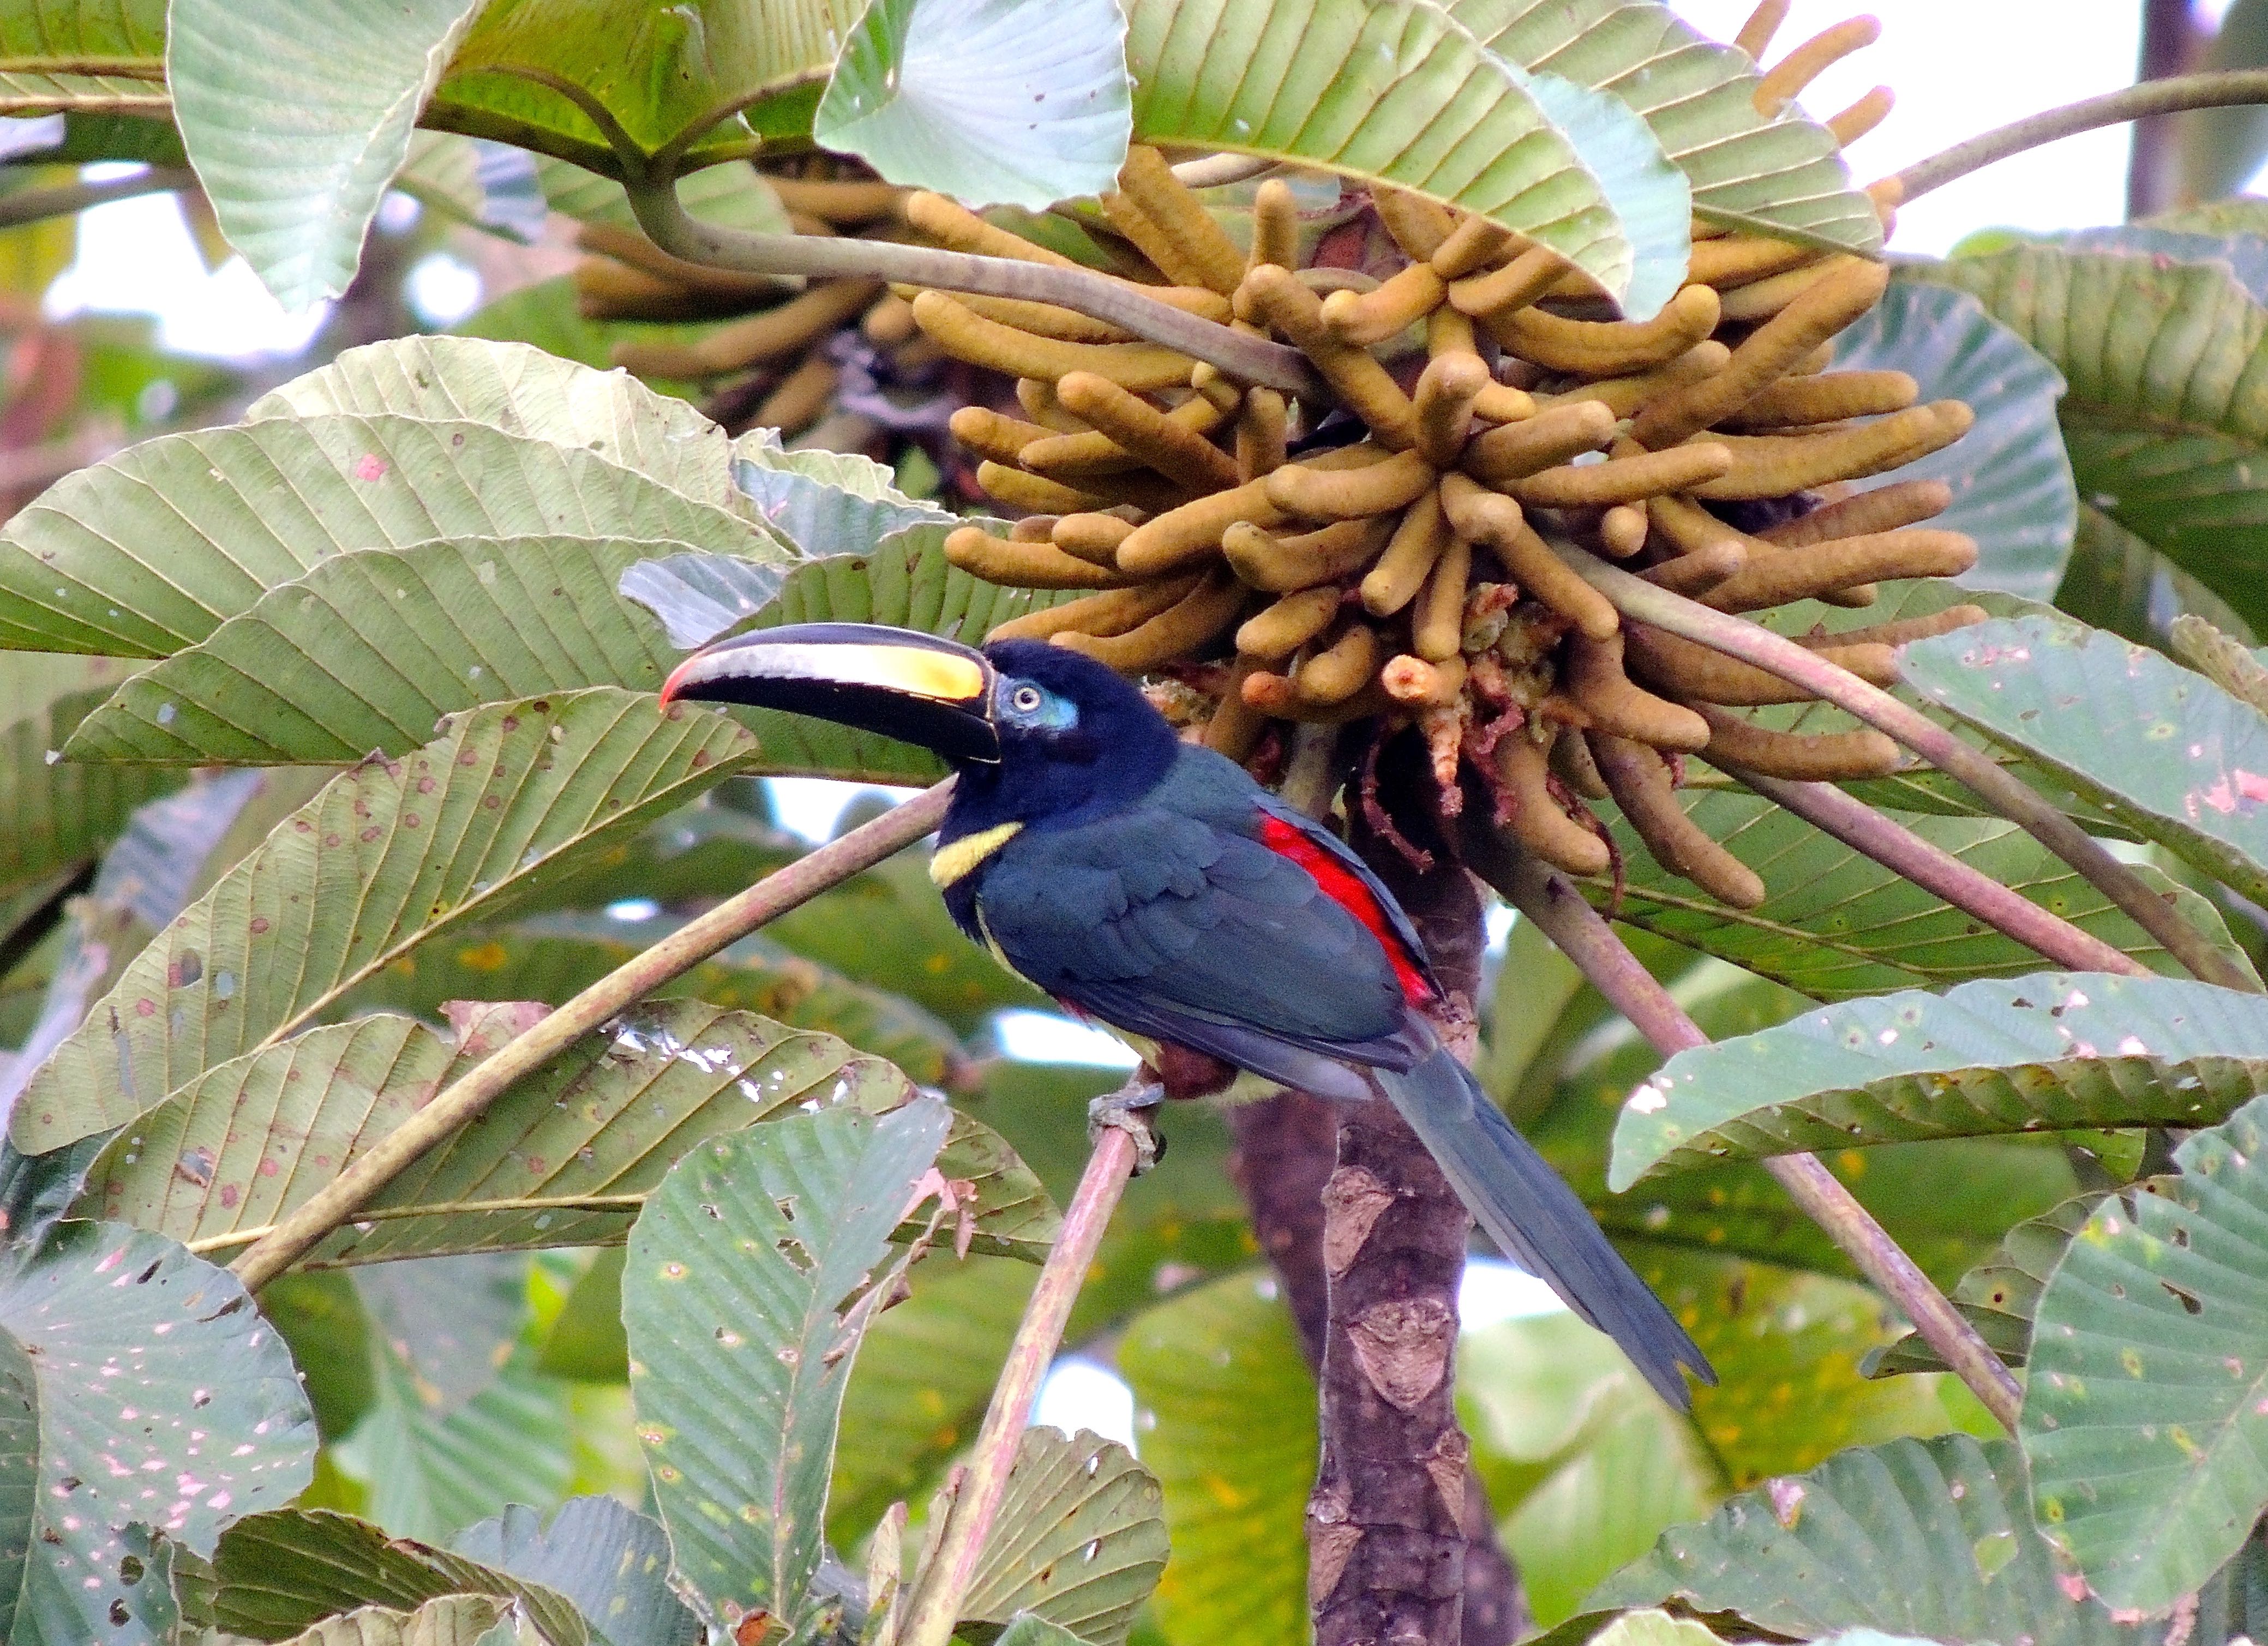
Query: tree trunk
[(1369, 1240), (2172, 44)]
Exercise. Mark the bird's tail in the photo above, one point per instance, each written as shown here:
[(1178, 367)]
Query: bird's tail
[(1530, 1211)]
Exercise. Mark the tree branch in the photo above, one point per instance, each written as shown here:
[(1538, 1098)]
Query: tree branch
[(2224, 89), (33, 205), (2011, 798), (977, 1490), (1864, 830), (1251, 359), (1560, 911), (299, 1232)]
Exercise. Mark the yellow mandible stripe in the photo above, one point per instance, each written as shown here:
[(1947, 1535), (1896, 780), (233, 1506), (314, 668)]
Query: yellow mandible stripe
[(953, 863)]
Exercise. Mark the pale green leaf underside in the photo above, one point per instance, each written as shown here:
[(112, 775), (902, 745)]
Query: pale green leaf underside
[(2053, 1052), (106, 1318), (2164, 750), (993, 102), (297, 114), (370, 648), (612, 1562), (1783, 173), (1838, 925), (2010, 476), (390, 854), (521, 391), (118, 52), (729, 197), (1394, 92), (2167, 417), (285, 1571), (1080, 1538), (751, 1275), (2143, 1419), (151, 550), (2000, 1295), (1930, 1538), (446, 1620), (57, 815), (245, 1142)]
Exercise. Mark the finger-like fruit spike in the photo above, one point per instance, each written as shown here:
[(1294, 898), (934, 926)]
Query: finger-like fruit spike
[(1640, 782), (1401, 539)]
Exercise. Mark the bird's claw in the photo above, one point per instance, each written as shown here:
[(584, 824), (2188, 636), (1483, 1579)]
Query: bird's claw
[(1131, 1109)]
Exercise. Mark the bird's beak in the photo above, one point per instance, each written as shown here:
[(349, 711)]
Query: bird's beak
[(912, 686)]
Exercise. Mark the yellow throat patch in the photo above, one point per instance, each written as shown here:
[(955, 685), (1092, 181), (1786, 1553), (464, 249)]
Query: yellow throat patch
[(953, 863)]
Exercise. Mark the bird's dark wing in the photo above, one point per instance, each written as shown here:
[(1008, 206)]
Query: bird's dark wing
[(1165, 923), (1353, 884)]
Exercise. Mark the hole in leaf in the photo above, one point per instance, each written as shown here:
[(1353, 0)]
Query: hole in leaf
[(2189, 1299), (798, 1257), (129, 1570)]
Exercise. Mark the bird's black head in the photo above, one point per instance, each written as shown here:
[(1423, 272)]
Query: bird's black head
[(1038, 733)]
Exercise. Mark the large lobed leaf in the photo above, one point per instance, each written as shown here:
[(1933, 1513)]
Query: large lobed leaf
[(967, 97), (610, 1560), (368, 649), (2010, 475), (1924, 1538), (2143, 1419), (388, 855), (549, 957), (57, 816), (245, 1142), (140, 1395), (2165, 430), (1838, 925), (2050, 1052), (285, 1571), (151, 550), (752, 1272), (2000, 1295), (523, 391), (2163, 749), (1395, 90), (297, 114), (1780, 173), (1078, 1540)]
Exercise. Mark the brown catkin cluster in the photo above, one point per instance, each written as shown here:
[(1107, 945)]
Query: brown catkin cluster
[(1404, 571)]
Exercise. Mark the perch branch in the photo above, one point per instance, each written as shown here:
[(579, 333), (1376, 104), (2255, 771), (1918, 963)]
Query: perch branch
[(942, 1584), (1250, 359), (1752, 642), (299, 1232), (1864, 830), (2223, 89), (34, 205), (1558, 909)]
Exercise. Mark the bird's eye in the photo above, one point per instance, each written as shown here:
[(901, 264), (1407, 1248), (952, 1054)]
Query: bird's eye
[(1025, 698)]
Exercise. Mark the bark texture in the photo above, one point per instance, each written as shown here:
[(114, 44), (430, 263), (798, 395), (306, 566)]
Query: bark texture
[(1401, 1546), (2172, 43)]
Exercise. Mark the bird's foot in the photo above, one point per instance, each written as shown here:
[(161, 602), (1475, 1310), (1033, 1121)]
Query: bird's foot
[(1131, 1109)]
